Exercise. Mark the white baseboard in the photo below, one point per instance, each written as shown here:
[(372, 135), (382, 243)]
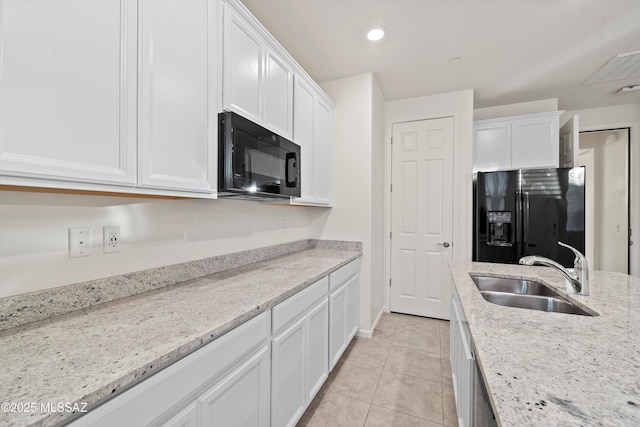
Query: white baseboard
[(364, 333)]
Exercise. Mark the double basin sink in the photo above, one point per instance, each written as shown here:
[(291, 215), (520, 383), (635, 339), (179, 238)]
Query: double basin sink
[(522, 293)]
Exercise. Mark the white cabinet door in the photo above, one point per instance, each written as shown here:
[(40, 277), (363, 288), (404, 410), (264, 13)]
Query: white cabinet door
[(177, 86), (535, 143), (337, 325), (343, 318), (288, 397), (322, 161), (353, 295), (243, 66), (313, 132), (303, 133), (300, 350), (569, 143), (343, 309), (492, 147), (241, 398), (278, 94), (317, 348), (68, 90)]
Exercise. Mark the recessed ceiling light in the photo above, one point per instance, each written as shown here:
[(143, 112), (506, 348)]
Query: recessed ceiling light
[(375, 33), (455, 60)]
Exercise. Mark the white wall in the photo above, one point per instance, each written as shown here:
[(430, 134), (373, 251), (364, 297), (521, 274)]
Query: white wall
[(377, 203), (34, 234), (356, 169), (458, 105), (620, 116)]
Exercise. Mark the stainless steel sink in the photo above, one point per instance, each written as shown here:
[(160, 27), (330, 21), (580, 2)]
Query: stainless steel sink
[(513, 286), (521, 293)]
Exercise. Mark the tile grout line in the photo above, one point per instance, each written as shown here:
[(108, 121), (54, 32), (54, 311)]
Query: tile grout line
[(386, 358)]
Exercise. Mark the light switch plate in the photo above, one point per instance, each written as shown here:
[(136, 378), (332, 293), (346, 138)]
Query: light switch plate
[(79, 242)]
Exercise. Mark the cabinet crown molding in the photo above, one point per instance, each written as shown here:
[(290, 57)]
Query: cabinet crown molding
[(519, 117)]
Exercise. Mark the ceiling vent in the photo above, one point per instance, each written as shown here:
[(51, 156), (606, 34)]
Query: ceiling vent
[(622, 66)]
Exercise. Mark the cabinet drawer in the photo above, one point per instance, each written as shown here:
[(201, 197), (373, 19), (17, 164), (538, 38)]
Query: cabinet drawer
[(167, 390), (343, 274), (289, 310)]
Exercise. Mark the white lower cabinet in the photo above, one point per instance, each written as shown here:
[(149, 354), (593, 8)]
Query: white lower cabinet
[(227, 379), (343, 309), (463, 368), (299, 352), (265, 372)]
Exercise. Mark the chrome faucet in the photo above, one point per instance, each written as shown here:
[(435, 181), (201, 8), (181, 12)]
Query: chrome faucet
[(578, 276)]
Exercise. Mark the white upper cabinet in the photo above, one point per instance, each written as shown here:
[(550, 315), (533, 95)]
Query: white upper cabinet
[(68, 90), (264, 84), (303, 133), (322, 144), (123, 95), (519, 142), (117, 96), (257, 80), (312, 121), (177, 116)]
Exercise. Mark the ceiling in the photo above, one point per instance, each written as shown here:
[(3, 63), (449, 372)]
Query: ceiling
[(512, 50)]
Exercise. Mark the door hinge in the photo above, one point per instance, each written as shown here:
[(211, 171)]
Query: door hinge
[(391, 188), (391, 140), (389, 282), (390, 234)]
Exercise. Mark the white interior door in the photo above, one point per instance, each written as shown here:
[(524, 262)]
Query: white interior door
[(570, 143), (422, 217)]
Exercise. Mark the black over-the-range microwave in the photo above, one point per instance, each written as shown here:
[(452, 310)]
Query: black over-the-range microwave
[(254, 162)]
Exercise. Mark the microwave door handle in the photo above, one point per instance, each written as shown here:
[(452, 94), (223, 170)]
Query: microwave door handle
[(291, 168)]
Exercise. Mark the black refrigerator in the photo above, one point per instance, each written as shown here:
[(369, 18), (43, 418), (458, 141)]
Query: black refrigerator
[(526, 212)]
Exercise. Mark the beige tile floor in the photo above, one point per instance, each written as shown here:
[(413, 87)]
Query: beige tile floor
[(400, 377)]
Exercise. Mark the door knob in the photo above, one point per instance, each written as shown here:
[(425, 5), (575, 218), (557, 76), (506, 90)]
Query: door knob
[(445, 244)]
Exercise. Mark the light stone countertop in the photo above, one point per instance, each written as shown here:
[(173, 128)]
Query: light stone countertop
[(91, 354), (556, 369)]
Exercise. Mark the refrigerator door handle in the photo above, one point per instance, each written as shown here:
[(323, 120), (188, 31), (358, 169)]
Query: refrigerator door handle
[(518, 230), (525, 222)]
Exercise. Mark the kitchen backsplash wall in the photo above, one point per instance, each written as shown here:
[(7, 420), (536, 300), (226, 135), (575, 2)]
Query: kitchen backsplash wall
[(34, 253)]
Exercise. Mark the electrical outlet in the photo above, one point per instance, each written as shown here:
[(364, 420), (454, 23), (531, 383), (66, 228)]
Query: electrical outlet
[(111, 239), (79, 242)]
